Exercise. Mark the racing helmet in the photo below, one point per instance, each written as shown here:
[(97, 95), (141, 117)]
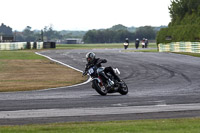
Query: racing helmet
[(90, 57)]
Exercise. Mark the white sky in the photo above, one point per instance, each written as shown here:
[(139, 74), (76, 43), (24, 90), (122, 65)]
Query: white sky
[(83, 14)]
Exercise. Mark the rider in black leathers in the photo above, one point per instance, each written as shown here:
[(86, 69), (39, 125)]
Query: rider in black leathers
[(93, 61)]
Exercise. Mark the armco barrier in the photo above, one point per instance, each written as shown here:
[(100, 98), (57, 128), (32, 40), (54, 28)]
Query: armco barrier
[(26, 45), (49, 45), (193, 47), (13, 45)]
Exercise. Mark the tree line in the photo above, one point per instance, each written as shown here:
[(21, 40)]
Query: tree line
[(184, 12), (45, 34), (115, 34), (118, 33), (185, 22)]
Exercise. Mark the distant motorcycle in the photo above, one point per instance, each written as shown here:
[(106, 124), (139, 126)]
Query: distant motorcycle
[(126, 45), (100, 84)]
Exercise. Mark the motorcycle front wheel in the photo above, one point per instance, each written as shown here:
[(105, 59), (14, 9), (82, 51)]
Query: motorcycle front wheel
[(123, 89), (100, 88)]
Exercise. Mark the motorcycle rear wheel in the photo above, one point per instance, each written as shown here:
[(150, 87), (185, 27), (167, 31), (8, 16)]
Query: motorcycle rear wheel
[(99, 88)]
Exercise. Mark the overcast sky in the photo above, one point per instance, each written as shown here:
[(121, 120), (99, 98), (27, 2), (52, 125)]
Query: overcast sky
[(83, 14)]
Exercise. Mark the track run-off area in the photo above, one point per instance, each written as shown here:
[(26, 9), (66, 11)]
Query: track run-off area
[(161, 85)]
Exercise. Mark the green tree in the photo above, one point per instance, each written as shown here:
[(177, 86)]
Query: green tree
[(50, 34), (185, 22), (145, 32), (118, 27), (107, 36), (28, 34), (5, 30), (180, 10)]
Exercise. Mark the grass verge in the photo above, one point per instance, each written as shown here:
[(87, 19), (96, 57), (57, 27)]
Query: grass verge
[(92, 46), (190, 54), (24, 71), (142, 50), (191, 125)]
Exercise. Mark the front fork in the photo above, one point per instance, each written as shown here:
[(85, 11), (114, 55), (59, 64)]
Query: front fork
[(99, 80)]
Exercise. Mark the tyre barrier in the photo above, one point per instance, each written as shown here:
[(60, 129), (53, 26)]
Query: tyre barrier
[(26, 45), (192, 47)]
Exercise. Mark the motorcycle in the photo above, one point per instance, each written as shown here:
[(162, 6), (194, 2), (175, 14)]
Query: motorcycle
[(101, 85)]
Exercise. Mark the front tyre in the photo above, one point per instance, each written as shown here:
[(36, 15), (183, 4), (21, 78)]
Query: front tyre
[(100, 88), (123, 89)]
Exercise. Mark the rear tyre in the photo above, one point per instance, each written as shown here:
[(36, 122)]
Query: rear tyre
[(101, 89)]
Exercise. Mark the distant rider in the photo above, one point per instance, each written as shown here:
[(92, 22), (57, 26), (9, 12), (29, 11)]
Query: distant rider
[(126, 44), (146, 43), (137, 43), (93, 61)]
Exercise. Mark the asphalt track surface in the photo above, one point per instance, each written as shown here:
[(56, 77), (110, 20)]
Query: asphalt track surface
[(161, 85)]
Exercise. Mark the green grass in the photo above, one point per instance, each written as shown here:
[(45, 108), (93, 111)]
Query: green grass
[(91, 46), (142, 50), (191, 125), (190, 54), (88, 46), (116, 45), (23, 70), (19, 55)]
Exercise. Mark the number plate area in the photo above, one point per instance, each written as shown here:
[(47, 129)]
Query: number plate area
[(91, 71)]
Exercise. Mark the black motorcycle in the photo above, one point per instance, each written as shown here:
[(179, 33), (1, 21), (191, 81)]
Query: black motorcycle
[(101, 85)]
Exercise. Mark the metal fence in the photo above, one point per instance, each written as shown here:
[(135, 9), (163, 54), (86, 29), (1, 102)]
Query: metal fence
[(193, 47), (26, 45)]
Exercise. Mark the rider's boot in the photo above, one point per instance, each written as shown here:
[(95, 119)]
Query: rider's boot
[(109, 81)]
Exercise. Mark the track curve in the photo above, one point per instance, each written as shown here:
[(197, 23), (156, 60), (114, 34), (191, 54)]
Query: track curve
[(165, 84)]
